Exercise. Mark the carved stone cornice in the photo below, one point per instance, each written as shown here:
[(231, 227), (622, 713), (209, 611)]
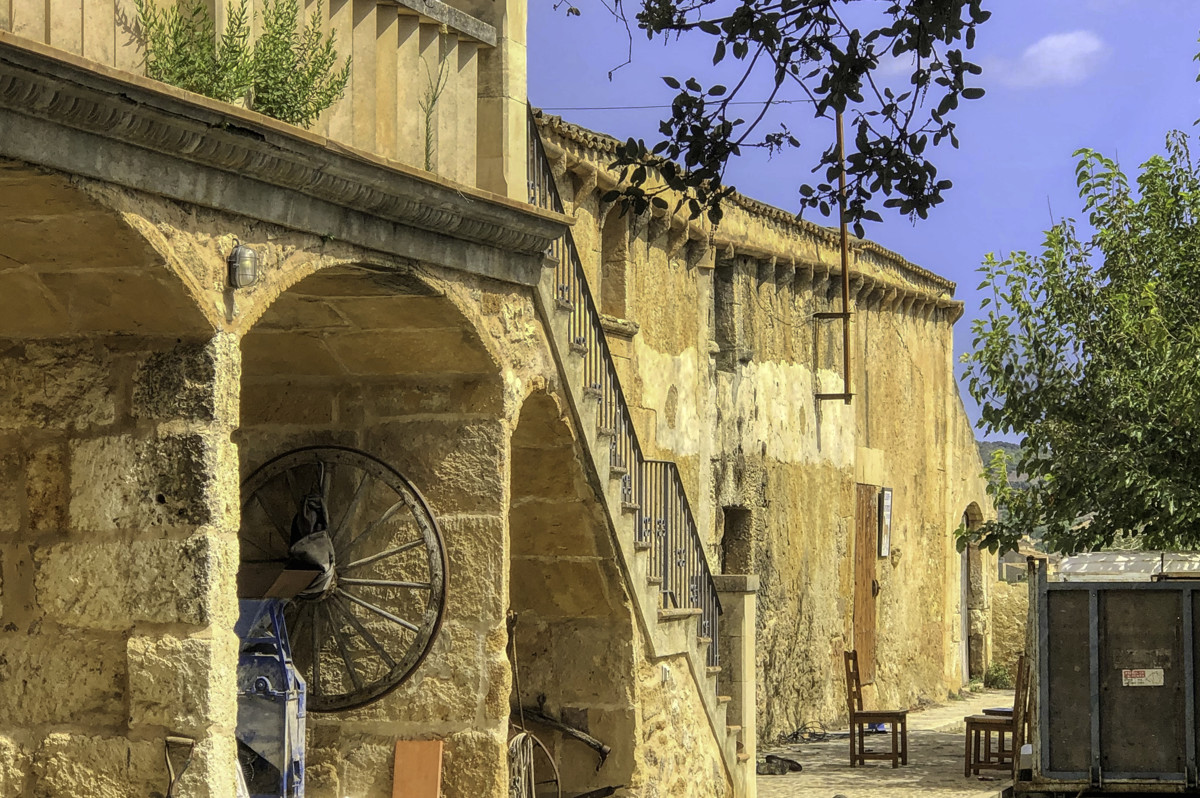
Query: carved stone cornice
[(65, 90)]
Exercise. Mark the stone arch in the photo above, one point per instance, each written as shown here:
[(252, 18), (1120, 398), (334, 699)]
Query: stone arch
[(574, 632), (72, 267), (380, 359), (114, 422), (614, 259)]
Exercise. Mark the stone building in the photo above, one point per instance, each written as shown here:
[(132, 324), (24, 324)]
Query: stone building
[(645, 479)]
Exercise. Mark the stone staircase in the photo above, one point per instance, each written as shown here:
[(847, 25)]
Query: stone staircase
[(657, 540)]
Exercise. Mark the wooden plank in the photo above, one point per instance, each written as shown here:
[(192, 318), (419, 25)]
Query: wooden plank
[(387, 29), (865, 544), (409, 81), (29, 19), (446, 154), (99, 31), (468, 116), (65, 26), (417, 772), (362, 88), (341, 115)]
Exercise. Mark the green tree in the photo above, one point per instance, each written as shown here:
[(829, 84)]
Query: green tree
[(1090, 353), (827, 53)]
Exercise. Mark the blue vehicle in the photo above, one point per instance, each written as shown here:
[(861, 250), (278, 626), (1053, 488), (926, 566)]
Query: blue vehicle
[(271, 703)]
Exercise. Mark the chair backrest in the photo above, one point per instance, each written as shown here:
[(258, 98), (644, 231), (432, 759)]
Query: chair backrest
[(1020, 712), (854, 700)]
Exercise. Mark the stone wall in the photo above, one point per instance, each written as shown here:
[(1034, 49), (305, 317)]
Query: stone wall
[(118, 553), (1010, 615), (721, 359)]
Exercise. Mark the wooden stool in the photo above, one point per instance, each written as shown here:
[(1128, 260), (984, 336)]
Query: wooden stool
[(979, 753)]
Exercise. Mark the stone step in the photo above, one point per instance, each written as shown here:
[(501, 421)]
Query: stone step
[(713, 670), (685, 614)]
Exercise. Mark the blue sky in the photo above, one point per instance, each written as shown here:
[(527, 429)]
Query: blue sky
[(1112, 75)]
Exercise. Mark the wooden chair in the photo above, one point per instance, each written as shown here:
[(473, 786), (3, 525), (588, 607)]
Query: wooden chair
[(860, 719), (1009, 728)]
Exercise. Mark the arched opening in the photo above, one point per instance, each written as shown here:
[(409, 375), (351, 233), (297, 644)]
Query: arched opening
[(111, 524), (376, 361), (614, 257), (574, 629)]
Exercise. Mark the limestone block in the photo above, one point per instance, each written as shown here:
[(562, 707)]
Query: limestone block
[(547, 473), (540, 528), (478, 572), (475, 765), (458, 465), (445, 689), (10, 487), (47, 487), (559, 588), (98, 767), (182, 683), (432, 395), (367, 772), (1010, 608), (191, 382), (14, 769), (123, 483), (114, 585), (55, 386), (498, 699), (285, 402), (62, 679), (211, 773), (321, 770)]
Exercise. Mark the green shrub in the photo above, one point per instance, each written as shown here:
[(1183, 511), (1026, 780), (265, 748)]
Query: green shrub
[(998, 677), (182, 49), (288, 73), (294, 77)]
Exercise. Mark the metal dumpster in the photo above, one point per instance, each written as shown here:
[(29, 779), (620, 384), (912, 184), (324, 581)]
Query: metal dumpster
[(1114, 685)]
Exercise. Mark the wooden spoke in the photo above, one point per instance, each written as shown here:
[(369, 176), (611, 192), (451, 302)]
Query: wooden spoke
[(378, 611), (341, 644), (383, 554), (386, 583), (363, 632)]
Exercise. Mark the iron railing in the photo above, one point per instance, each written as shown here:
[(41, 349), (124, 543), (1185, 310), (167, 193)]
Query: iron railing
[(652, 489)]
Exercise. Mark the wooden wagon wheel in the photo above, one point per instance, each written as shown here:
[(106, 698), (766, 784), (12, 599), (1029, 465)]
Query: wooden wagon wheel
[(361, 635)]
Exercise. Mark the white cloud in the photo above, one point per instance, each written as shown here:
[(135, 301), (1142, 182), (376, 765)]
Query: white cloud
[(1060, 59)]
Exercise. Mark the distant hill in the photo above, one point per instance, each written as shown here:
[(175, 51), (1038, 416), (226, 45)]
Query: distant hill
[(1013, 451)]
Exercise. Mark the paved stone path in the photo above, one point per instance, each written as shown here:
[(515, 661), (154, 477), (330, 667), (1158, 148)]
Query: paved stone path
[(935, 761)]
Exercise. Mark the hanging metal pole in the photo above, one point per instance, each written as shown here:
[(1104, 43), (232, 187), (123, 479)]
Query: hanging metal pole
[(846, 395)]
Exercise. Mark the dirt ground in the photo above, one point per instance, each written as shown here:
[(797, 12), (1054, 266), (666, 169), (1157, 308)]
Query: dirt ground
[(935, 761)]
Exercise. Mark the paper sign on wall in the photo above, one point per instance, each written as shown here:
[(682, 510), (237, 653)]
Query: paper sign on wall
[(1142, 677)]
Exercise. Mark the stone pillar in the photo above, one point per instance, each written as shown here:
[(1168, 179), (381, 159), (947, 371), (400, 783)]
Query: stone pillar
[(738, 593), (129, 562), (503, 103)]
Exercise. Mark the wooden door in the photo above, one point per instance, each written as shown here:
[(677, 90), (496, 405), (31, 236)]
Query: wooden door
[(866, 542)]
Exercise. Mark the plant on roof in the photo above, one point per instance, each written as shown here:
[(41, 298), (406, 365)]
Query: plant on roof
[(288, 73)]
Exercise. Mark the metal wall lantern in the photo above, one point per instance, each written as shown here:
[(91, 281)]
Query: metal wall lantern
[(243, 266)]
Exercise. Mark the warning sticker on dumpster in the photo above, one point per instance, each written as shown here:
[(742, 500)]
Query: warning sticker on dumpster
[(1142, 677)]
